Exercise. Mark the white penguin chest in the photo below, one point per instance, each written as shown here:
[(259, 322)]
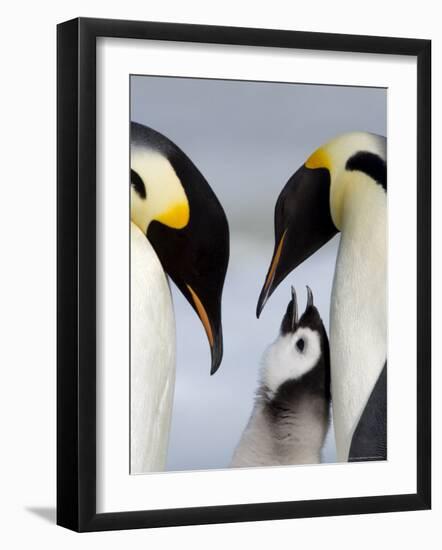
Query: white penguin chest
[(358, 316), (152, 357)]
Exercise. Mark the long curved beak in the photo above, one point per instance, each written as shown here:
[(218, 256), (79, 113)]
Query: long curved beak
[(213, 331), (216, 350), (271, 281), (303, 224)]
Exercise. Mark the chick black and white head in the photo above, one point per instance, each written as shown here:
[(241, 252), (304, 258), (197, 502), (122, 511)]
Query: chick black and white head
[(300, 354)]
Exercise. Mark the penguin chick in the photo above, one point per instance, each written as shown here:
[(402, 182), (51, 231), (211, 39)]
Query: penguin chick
[(290, 417)]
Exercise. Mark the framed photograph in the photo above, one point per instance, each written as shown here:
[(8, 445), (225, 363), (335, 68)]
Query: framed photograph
[(243, 300)]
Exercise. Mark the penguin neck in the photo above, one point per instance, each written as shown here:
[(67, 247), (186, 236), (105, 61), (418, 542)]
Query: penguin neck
[(358, 326)]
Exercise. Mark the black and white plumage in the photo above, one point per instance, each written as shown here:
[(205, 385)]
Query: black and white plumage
[(178, 230), (290, 417), (342, 187)]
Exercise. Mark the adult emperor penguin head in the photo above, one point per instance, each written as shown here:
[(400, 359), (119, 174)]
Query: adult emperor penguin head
[(312, 206), (174, 206)]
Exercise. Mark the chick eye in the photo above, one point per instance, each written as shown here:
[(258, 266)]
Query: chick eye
[(300, 344)]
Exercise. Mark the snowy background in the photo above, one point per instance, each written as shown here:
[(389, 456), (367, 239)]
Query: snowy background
[(247, 138)]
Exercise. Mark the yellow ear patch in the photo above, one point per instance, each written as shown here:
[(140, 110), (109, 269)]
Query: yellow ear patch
[(176, 216), (166, 199), (319, 159)]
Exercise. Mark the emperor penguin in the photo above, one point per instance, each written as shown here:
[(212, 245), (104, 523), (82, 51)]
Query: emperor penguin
[(342, 187), (290, 417), (178, 230)]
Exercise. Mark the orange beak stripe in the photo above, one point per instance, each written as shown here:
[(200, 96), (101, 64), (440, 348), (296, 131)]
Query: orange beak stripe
[(275, 262), (202, 313)]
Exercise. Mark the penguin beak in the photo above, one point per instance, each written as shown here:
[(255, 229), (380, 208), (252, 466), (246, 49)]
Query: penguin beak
[(303, 224), (294, 310), (273, 277), (290, 320), (213, 332), (196, 258)]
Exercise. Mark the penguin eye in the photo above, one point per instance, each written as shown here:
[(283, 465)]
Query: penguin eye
[(300, 344), (137, 184)]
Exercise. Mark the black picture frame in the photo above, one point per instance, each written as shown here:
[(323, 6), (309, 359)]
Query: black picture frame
[(76, 273)]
